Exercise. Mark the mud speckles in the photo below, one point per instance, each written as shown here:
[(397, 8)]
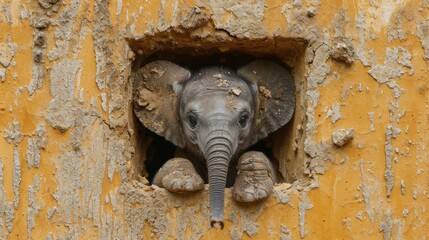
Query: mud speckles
[(222, 83), (231, 102), (341, 137), (265, 92), (236, 91)]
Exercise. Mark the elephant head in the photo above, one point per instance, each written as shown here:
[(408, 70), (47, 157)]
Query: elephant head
[(214, 112)]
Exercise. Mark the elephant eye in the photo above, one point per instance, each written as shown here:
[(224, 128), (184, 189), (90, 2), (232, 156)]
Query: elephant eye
[(243, 120), (193, 121)]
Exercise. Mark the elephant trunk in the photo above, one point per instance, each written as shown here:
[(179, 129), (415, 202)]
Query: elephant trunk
[(219, 150)]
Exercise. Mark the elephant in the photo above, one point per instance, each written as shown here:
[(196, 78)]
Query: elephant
[(213, 115)]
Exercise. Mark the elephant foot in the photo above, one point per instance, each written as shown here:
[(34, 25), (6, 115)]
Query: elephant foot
[(178, 175), (255, 178)]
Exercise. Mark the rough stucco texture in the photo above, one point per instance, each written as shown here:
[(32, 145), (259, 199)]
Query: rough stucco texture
[(66, 145)]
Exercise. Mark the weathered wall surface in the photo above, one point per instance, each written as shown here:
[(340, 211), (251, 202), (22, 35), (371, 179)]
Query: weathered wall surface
[(67, 146)]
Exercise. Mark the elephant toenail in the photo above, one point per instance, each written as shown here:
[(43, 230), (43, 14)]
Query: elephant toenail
[(247, 197), (175, 185), (262, 193), (189, 186)]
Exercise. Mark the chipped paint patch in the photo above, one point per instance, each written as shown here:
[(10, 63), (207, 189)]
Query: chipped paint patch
[(6, 54), (33, 206), (334, 113), (7, 214), (14, 136), (391, 133), (34, 145), (60, 114), (423, 34), (396, 59), (303, 207)]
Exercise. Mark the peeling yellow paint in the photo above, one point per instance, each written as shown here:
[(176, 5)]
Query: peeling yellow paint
[(376, 186)]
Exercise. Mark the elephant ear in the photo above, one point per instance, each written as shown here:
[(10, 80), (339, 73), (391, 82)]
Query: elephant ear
[(275, 97), (155, 101)]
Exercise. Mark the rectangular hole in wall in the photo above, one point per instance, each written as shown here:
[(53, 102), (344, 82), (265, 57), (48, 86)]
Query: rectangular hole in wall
[(284, 146)]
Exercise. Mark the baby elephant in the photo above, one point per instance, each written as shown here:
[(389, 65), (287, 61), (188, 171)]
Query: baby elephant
[(213, 115)]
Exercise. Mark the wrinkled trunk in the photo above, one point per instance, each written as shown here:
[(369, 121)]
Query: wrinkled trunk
[(218, 151)]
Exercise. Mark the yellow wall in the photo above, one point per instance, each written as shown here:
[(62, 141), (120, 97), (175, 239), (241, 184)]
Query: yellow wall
[(67, 145)]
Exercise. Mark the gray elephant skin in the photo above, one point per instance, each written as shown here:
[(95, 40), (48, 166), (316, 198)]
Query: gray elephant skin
[(212, 116)]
